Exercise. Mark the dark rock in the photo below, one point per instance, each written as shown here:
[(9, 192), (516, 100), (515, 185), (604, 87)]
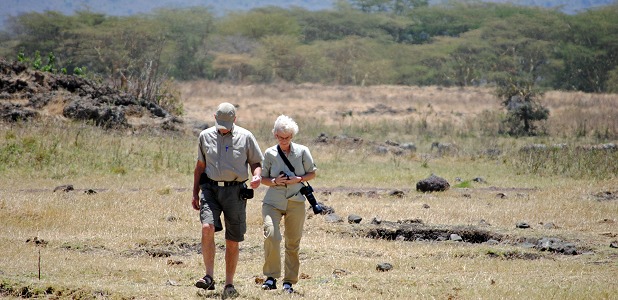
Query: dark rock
[(383, 267), (479, 180), (90, 192), (397, 193), (410, 221), (432, 184), (173, 262), (325, 209), (522, 225), (606, 196), (158, 253), (90, 110), (355, 194), (322, 138), (35, 240), (556, 245), (16, 113), (64, 188)]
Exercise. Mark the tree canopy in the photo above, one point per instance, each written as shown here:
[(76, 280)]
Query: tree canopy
[(358, 43)]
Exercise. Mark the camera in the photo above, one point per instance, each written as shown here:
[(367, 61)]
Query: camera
[(307, 191), (285, 174), (246, 193)]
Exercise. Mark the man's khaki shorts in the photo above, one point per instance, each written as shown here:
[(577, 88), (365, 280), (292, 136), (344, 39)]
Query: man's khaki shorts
[(225, 199)]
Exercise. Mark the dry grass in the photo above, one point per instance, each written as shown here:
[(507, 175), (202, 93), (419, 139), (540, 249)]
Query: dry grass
[(137, 236)]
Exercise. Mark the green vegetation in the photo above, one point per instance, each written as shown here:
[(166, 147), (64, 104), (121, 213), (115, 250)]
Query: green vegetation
[(77, 150), (138, 236), (37, 64), (358, 43), (523, 108)]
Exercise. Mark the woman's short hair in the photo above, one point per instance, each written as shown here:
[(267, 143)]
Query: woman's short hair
[(285, 124)]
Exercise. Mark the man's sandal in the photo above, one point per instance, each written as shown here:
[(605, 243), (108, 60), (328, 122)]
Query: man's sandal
[(229, 292), (206, 283)]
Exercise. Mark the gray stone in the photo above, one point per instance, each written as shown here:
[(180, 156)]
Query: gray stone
[(456, 238), (354, 219), (333, 218), (550, 225)]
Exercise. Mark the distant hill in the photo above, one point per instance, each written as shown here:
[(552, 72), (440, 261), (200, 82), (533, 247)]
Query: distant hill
[(566, 6), (125, 8)]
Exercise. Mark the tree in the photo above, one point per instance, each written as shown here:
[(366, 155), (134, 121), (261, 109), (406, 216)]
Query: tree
[(279, 59), (396, 7), (259, 23), (186, 32), (523, 109), (589, 51)]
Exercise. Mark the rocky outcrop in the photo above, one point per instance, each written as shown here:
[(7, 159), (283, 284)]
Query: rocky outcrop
[(24, 93)]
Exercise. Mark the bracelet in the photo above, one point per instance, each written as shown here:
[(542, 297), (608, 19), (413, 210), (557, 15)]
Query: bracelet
[(301, 179), (273, 181)]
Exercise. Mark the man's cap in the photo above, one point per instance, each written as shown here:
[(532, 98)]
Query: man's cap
[(225, 116)]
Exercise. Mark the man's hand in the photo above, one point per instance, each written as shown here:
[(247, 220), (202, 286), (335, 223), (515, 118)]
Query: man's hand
[(195, 203), (255, 181)]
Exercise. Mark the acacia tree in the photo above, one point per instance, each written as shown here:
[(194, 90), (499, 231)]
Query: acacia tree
[(278, 58), (522, 106), (589, 51)]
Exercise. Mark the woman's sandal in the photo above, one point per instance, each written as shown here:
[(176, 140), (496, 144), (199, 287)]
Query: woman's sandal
[(206, 283)]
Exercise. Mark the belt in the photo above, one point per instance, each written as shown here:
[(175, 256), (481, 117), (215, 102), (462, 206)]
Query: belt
[(223, 183)]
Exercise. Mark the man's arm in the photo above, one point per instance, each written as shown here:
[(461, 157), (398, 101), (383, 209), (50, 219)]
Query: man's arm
[(256, 170), (200, 167)]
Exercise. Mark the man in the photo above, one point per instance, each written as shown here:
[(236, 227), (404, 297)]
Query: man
[(224, 153)]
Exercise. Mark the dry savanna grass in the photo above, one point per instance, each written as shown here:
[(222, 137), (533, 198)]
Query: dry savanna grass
[(137, 237)]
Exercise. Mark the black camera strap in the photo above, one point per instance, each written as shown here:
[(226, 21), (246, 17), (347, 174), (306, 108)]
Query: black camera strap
[(317, 209), (287, 162), (285, 159)]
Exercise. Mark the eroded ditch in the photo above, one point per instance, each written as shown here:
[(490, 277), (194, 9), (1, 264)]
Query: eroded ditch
[(416, 231)]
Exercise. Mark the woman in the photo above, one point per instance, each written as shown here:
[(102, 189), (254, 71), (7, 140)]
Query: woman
[(283, 200)]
